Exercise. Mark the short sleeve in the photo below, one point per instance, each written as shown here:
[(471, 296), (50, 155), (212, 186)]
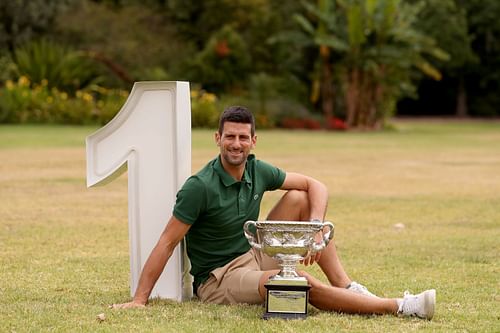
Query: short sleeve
[(274, 176), (191, 201)]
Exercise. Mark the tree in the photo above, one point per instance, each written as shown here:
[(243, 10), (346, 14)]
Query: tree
[(373, 48), (471, 78), (482, 77), (448, 95), (133, 41), (314, 35), (224, 63), (45, 61), (21, 20), (252, 20)]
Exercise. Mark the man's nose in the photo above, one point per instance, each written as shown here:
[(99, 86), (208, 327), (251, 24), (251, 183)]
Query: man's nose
[(236, 142)]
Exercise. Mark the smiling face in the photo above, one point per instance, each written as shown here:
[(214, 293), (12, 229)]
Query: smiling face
[(235, 142)]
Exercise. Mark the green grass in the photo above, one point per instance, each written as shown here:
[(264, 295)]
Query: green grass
[(64, 248)]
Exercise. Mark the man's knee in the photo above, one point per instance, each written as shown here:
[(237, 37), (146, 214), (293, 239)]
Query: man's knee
[(296, 198), (293, 206)]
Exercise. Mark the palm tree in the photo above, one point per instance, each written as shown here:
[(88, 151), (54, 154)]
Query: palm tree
[(320, 37), (371, 47)]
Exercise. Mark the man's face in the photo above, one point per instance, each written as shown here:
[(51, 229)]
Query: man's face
[(235, 142)]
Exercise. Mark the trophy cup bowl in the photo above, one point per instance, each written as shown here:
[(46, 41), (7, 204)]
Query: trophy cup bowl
[(288, 242)]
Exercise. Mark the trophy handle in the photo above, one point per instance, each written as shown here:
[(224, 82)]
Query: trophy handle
[(250, 236), (327, 237)]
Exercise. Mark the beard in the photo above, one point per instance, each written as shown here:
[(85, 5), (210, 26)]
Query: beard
[(234, 160)]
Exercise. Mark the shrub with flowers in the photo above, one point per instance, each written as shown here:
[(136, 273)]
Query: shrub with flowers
[(204, 109), (24, 102), (331, 123), (334, 123), (300, 123), (107, 102)]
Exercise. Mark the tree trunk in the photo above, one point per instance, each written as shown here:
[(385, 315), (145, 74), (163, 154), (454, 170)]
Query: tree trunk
[(377, 116), (364, 100), (377, 112), (113, 66), (462, 110), (352, 96), (327, 95)]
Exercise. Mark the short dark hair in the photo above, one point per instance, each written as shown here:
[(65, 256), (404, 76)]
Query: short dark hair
[(237, 114)]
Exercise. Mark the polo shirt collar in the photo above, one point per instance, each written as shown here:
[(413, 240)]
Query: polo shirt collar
[(226, 178)]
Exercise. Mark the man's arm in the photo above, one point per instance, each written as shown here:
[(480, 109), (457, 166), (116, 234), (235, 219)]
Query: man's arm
[(316, 192), (174, 232)]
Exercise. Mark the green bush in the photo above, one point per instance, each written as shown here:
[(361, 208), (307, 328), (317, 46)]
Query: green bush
[(134, 41), (45, 61), (7, 68), (22, 102), (224, 63), (14, 100), (204, 109)]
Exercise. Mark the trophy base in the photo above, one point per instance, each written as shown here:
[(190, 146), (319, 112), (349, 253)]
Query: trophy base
[(287, 299)]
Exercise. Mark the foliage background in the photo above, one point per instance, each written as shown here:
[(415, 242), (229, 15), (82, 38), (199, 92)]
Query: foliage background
[(307, 64)]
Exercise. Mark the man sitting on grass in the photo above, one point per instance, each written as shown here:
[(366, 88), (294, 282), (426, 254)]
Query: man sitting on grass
[(210, 211)]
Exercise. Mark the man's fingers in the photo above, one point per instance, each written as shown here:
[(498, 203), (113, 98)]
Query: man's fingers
[(117, 306), (127, 305), (311, 259)]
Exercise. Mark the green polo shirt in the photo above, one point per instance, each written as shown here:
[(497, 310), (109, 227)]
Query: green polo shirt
[(216, 206)]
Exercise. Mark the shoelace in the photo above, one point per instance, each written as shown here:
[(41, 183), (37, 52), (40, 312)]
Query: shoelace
[(406, 306)]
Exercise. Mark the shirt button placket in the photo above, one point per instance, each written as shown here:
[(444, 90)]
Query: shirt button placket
[(241, 201)]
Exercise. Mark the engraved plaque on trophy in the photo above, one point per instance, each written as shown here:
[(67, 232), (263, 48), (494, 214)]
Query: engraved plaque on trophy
[(288, 242)]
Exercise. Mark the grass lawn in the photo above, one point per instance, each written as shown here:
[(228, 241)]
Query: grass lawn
[(64, 248)]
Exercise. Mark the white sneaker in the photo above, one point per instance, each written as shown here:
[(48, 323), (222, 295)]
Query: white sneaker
[(360, 289), (421, 305)]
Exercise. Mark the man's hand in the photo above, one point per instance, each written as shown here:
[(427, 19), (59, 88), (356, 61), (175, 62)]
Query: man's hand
[(311, 259), (128, 305), (314, 257)]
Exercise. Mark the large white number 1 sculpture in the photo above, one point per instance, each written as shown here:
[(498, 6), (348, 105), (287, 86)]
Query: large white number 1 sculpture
[(151, 135)]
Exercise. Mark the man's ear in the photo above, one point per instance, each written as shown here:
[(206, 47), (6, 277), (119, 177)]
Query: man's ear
[(217, 138), (254, 141)]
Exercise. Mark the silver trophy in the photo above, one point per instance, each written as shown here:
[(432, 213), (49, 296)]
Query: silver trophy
[(288, 242)]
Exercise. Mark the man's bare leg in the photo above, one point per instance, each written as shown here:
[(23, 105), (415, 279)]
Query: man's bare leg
[(294, 206), (332, 267), (330, 298)]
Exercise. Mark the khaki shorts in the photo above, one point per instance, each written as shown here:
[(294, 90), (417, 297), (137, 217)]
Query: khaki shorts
[(238, 281)]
